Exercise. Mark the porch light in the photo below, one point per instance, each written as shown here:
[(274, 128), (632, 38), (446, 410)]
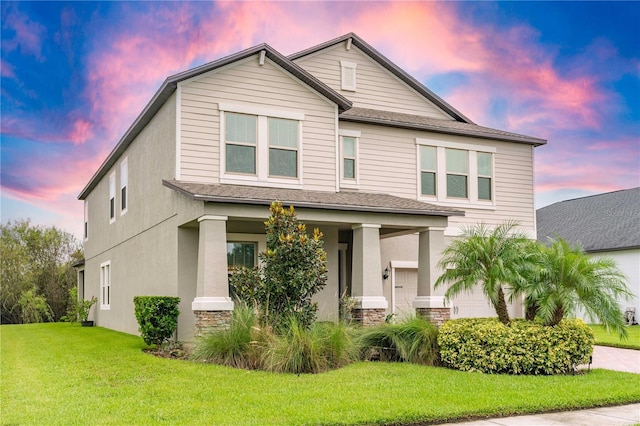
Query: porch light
[(385, 274)]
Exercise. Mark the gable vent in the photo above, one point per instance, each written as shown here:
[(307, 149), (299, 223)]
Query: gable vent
[(348, 75)]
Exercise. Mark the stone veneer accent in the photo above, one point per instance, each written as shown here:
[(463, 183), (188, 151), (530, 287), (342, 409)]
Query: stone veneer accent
[(211, 320), (436, 316), (368, 317)]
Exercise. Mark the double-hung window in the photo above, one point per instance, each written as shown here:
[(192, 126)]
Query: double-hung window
[(260, 146), (105, 285), (456, 173), (86, 220), (349, 160), (241, 254), (112, 197), (124, 181)]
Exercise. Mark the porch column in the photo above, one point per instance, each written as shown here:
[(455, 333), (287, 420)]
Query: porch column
[(366, 282), (212, 306), (428, 303)]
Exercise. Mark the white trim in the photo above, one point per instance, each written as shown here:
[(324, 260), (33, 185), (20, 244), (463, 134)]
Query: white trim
[(212, 217), (105, 268), (403, 264), (366, 225), (371, 302), (430, 302), (255, 181), (263, 53), (85, 223), (348, 183), (351, 133), (348, 46), (344, 66), (124, 184), (455, 145), (259, 239), (178, 131), (112, 194), (212, 304), (337, 146), (260, 111)]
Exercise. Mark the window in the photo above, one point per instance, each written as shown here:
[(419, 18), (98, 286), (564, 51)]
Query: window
[(283, 147), (457, 173), (240, 137), (241, 254), (105, 285), (86, 220), (484, 176), (428, 170), (454, 173), (260, 146), (348, 157), (348, 75), (124, 179), (112, 197)]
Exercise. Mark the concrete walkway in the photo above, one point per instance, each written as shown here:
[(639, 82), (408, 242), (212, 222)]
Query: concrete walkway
[(627, 360)]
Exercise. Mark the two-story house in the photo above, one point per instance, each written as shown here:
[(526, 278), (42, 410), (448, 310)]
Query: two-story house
[(387, 170)]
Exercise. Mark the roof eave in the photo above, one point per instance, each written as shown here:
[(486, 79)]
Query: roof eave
[(412, 126)]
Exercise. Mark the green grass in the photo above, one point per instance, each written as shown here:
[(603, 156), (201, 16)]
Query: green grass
[(611, 338), (65, 374)]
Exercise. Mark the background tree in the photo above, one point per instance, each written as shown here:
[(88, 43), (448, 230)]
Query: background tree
[(35, 263), (567, 279), (491, 259)]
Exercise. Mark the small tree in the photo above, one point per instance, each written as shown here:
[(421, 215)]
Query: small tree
[(293, 270), (157, 317), (487, 258)]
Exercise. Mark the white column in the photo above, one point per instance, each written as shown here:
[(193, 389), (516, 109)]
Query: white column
[(212, 290), (366, 282), (431, 245)]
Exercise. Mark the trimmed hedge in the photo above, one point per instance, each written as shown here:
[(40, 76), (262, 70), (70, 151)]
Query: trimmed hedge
[(157, 317), (523, 347)]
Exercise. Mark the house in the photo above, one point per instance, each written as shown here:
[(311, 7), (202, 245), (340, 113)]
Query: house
[(604, 225), (385, 168)]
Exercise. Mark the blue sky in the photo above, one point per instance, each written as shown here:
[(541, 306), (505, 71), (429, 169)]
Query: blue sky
[(74, 75)]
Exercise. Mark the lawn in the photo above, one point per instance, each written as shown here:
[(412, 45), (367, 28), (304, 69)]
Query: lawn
[(611, 338), (66, 374)]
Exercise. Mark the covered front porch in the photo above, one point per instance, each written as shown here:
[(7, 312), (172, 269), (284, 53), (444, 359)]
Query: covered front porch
[(228, 231)]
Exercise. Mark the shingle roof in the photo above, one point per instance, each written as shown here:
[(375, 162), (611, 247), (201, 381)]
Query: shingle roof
[(410, 121), (171, 83), (345, 201), (603, 222)]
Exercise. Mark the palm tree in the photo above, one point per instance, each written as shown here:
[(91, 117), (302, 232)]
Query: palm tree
[(489, 258), (567, 279)]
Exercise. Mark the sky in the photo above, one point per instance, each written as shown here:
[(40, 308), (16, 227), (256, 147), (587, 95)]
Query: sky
[(75, 75)]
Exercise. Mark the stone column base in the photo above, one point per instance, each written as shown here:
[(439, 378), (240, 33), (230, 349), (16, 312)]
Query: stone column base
[(369, 317), (208, 321), (436, 316)]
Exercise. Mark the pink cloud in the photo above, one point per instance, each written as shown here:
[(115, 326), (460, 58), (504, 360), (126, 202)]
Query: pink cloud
[(28, 34), (6, 69)]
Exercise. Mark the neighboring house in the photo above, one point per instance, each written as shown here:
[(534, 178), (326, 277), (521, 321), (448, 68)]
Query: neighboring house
[(604, 225), (386, 169)]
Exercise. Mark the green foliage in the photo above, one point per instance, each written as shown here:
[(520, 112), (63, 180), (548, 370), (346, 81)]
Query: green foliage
[(237, 346), (78, 309), (523, 347), (294, 268), (37, 260), (34, 308), (487, 258), (412, 340), (567, 279), (157, 317)]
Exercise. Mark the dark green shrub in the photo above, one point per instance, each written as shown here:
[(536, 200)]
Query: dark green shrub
[(238, 346), (413, 340), (157, 317), (523, 347)]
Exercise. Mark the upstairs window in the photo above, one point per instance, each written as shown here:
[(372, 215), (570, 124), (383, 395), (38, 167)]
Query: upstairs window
[(428, 170), (124, 179), (105, 285), (112, 197), (485, 171), (283, 147), (241, 136), (86, 220), (457, 173), (241, 254), (348, 72)]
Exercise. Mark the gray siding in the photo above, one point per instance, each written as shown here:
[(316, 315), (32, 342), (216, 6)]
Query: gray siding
[(376, 87), (266, 86)]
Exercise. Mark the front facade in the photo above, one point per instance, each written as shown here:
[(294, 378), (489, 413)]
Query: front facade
[(388, 171), (604, 225)]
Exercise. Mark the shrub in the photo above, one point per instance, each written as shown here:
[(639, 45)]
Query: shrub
[(523, 347), (413, 340), (157, 317), (238, 346)]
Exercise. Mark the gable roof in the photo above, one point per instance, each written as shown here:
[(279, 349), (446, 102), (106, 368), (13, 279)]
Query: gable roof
[(602, 222), (419, 122), (391, 67), (344, 201), (170, 85)]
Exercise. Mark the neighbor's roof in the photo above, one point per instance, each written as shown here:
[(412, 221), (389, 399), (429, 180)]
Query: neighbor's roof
[(391, 67), (345, 201), (418, 122), (603, 222), (171, 83)]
